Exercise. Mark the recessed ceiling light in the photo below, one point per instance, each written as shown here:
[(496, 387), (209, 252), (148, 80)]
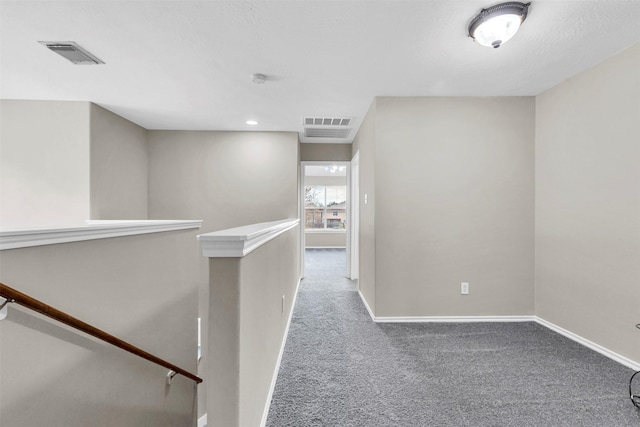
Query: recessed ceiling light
[(73, 52), (252, 122), (497, 24)]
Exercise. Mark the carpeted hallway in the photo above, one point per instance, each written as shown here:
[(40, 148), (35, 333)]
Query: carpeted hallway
[(341, 369)]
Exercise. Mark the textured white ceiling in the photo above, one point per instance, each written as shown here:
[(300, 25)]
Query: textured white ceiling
[(187, 64)]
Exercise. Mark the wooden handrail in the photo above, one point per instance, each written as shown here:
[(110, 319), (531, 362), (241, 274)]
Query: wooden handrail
[(26, 301)]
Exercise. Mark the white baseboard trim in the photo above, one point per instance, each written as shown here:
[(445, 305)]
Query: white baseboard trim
[(274, 378), (453, 319), (444, 319), (366, 304), (202, 421), (590, 344), (325, 247), (461, 319)]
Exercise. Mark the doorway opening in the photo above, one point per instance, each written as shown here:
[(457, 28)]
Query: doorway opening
[(326, 218)]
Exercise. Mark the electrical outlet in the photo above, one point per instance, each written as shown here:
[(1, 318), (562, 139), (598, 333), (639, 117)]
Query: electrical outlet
[(464, 288)]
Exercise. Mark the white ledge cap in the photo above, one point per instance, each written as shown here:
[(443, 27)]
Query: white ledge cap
[(240, 241), (91, 230)]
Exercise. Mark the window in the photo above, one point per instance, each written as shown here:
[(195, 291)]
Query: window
[(325, 207)]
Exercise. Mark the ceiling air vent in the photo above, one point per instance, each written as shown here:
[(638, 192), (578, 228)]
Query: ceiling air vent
[(322, 121), (72, 52), (327, 132), (326, 127)]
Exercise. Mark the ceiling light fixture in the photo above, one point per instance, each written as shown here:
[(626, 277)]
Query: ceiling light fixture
[(335, 168), (252, 122), (497, 24), (258, 78)]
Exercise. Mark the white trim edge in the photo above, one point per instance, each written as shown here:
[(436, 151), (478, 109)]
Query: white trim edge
[(241, 241), (590, 344), (326, 247), (445, 319), (555, 328), (453, 319), (274, 378), (366, 304), (202, 421), (27, 237)]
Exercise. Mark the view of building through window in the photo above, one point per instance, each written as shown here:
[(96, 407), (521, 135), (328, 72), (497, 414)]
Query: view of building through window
[(325, 207)]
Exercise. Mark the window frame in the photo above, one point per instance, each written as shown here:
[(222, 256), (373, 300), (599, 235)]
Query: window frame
[(325, 210)]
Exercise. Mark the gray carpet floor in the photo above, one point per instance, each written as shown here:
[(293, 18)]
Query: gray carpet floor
[(340, 368)]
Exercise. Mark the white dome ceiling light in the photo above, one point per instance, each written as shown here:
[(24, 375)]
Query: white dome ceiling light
[(497, 24), (335, 168)]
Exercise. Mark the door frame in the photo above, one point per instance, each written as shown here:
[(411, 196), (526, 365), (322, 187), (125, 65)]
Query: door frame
[(354, 238), (303, 165)]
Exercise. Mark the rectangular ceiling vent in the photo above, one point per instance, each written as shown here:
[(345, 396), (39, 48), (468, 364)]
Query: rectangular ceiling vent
[(73, 52), (327, 132), (322, 121)]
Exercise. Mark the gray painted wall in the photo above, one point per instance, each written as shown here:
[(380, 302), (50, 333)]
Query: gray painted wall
[(227, 179), (137, 288), (247, 328), (64, 162), (588, 204), (335, 239), (267, 274), (119, 167), (454, 203), (44, 163), (321, 152)]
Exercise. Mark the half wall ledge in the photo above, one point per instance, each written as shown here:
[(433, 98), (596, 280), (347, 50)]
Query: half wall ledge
[(93, 229), (241, 241)]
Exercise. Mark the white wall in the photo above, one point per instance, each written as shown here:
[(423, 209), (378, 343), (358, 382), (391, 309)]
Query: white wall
[(44, 163), (588, 204)]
